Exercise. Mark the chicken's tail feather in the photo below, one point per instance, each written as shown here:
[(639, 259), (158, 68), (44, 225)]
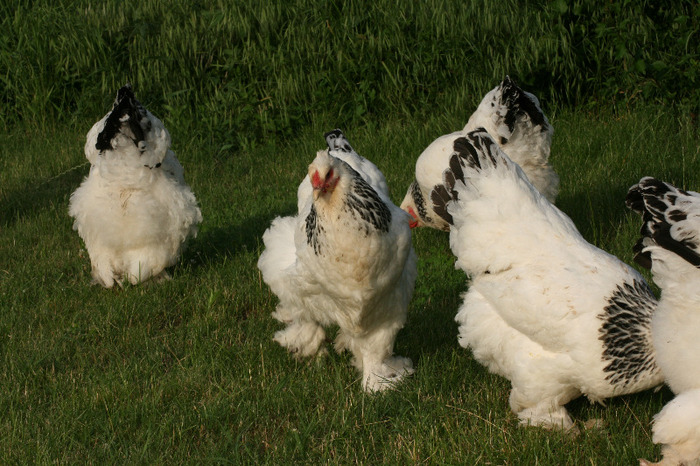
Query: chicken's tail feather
[(336, 140), (127, 116), (670, 219), (518, 103)]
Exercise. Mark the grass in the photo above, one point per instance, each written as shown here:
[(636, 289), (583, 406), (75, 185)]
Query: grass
[(215, 67), (185, 371)]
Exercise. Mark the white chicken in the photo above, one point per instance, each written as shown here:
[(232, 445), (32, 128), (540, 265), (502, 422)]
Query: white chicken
[(339, 147), (552, 313), (134, 210), (515, 120), (345, 259), (669, 246)]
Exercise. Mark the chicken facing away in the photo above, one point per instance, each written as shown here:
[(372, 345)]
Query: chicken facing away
[(134, 210), (516, 122), (669, 245), (552, 313), (345, 259)]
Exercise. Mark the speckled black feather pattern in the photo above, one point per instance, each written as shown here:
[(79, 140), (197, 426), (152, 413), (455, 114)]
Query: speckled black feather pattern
[(419, 201), (314, 231), (625, 334), (128, 117), (362, 203)]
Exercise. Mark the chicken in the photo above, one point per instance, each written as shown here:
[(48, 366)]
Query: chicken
[(339, 147), (669, 246), (515, 120), (345, 259), (134, 210), (552, 313)]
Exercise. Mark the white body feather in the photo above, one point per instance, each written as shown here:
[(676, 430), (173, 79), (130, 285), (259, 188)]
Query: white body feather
[(540, 295), (349, 274), (677, 428), (134, 210)]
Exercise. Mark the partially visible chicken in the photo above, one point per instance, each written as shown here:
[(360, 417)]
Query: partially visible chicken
[(134, 210), (516, 122), (670, 246), (346, 259), (552, 313)]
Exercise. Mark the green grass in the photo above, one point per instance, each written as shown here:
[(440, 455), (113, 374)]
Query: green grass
[(186, 370), (215, 67)]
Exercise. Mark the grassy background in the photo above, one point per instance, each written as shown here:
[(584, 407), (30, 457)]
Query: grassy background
[(186, 371)]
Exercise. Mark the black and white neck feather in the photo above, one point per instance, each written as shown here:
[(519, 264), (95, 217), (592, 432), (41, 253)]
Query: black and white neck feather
[(355, 202)]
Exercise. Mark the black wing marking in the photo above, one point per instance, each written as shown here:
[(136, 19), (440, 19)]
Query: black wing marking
[(440, 197), (471, 151)]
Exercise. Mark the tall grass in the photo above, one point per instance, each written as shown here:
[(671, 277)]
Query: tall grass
[(245, 71)]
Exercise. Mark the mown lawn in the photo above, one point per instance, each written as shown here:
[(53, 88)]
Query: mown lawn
[(186, 370)]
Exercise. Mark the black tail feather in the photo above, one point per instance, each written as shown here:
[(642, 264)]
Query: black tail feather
[(467, 152), (518, 104), (656, 202), (124, 105), (336, 140), (456, 168)]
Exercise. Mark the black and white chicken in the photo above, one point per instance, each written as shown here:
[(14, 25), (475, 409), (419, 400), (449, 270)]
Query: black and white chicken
[(516, 122), (670, 246), (549, 311), (345, 259), (134, 210)]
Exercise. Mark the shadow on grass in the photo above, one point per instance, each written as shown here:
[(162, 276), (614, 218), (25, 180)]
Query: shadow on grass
[(430, 327), (217, 244), (37, 196), (625, 407)]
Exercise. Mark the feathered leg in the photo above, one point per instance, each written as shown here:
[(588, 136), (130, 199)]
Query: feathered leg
[(301, 337), (677, 428), (140, 264), (102, 271), (537, 400), (372, 354)]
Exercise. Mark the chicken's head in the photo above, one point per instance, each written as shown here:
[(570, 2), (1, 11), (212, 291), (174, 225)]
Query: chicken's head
[(324, 173), (421, 212)]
